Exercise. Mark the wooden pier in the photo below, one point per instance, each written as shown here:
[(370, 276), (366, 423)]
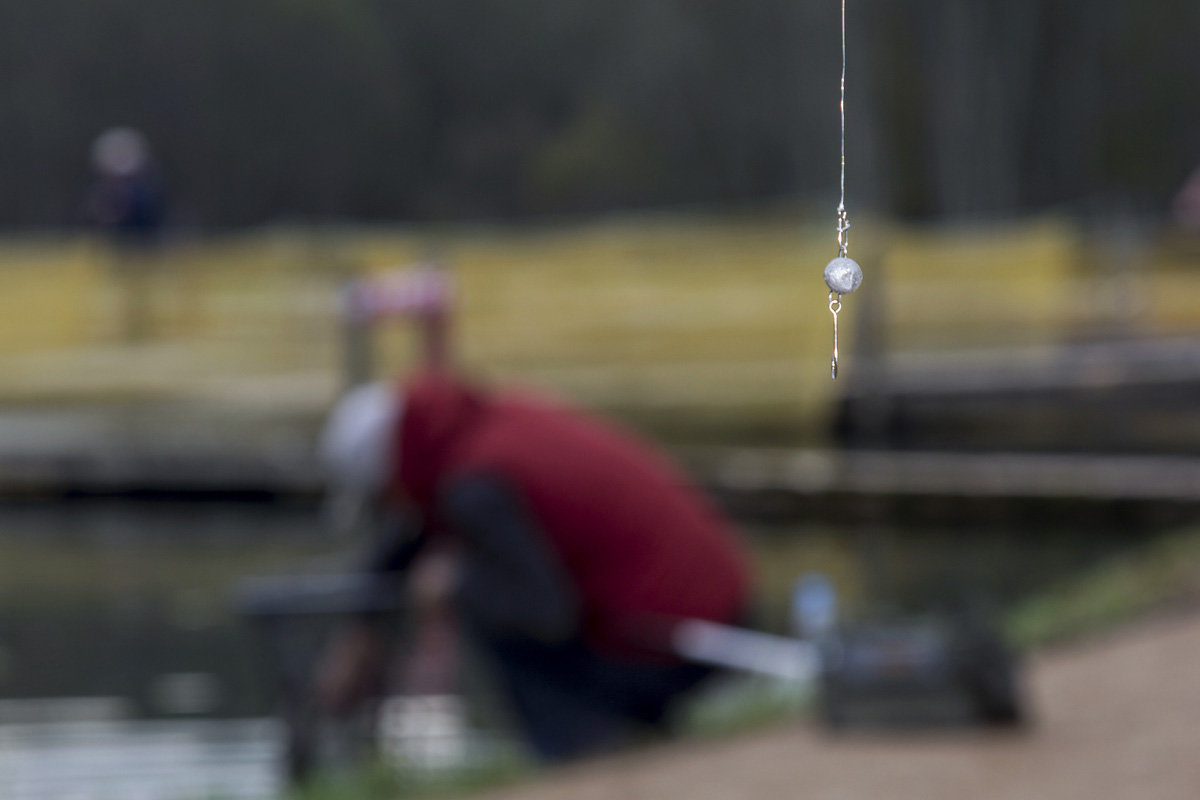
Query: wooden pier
[(983, 475), (1113, 421)]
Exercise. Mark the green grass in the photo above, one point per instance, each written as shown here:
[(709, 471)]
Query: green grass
[(381, 782), (1121, 590), (739, 704)]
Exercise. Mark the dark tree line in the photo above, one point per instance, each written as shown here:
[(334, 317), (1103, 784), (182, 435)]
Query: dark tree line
[(398, 109)]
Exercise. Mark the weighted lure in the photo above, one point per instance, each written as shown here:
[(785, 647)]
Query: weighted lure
[(843, 274)]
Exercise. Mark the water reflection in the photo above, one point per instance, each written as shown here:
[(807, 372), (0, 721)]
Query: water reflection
[(133, 599)]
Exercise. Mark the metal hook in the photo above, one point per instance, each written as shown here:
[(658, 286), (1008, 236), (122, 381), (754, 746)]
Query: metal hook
[(835, 305)]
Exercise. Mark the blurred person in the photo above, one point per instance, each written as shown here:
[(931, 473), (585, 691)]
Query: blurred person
[(561, 547), (128, 202)]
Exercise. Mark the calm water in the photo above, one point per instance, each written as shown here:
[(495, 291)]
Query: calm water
[(130, 603)]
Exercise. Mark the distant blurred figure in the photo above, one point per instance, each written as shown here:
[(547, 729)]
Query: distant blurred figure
[(128, 202), (565, 549)]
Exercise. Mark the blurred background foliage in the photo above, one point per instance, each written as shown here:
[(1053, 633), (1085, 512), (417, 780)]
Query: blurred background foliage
[(372, 109)]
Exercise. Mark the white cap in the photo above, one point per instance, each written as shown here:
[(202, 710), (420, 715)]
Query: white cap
[(356, 450)]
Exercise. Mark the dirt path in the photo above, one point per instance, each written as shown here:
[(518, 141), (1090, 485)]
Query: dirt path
[(1119, 718)]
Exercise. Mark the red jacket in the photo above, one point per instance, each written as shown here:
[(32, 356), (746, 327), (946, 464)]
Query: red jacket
[(640, 544)]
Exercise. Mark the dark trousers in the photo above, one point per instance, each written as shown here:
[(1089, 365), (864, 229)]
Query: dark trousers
[(570, 701)]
